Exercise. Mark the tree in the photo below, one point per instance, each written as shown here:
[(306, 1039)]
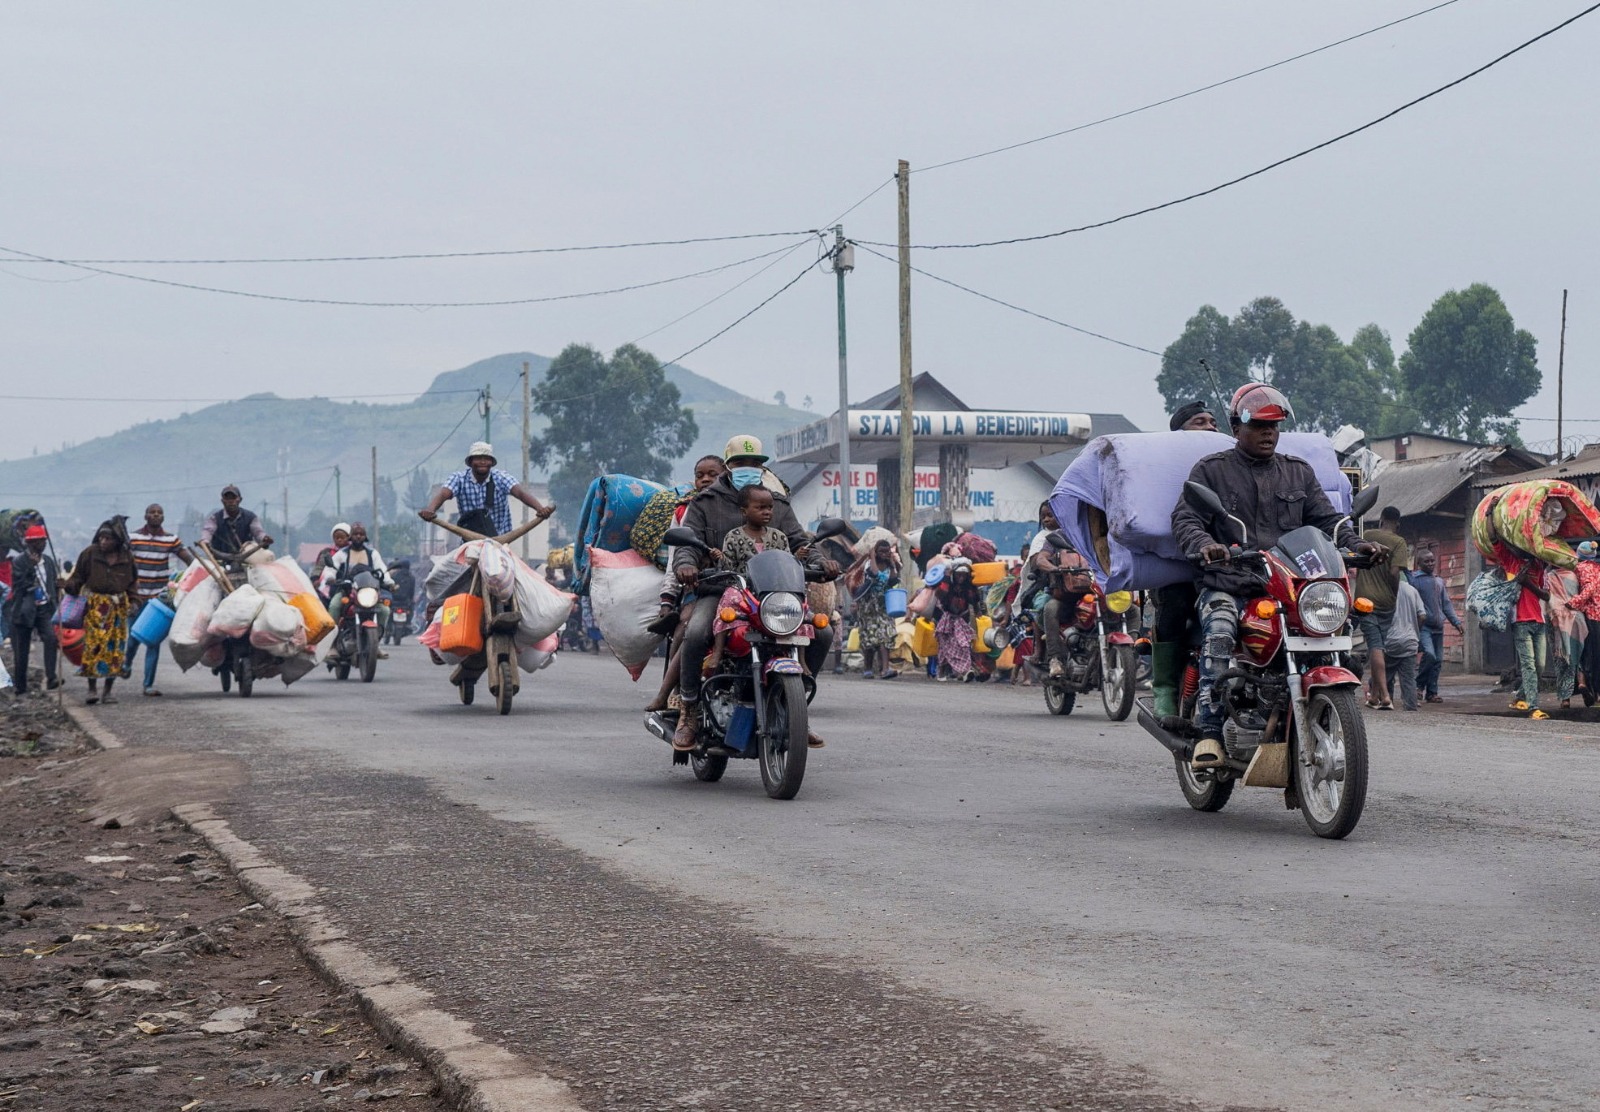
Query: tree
[(780, 397), (1468, 365), (607, 416), (1329, 383)]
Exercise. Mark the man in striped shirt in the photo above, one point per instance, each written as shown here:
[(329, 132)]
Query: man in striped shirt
[(153, 550)]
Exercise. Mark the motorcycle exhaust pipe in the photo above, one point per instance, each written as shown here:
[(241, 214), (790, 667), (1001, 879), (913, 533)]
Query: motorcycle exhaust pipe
[(659, 726), (1172, 741)]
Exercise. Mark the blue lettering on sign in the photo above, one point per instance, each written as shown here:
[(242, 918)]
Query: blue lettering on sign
[(982, 498)]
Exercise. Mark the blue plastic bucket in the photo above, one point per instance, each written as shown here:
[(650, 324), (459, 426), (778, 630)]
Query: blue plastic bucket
[(894, 602), (153, 623)]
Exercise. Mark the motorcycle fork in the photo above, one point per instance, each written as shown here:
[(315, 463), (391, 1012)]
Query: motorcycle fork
[(758, 679)]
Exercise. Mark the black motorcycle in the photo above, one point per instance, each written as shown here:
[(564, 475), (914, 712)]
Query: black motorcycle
[(356, 641)]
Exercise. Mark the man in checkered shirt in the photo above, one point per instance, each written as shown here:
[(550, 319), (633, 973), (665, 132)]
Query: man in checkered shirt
[(483, 495)]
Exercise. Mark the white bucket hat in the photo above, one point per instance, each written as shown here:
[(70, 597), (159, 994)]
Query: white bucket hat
[(481, 448)]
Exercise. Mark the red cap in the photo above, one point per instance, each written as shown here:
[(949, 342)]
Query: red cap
[(35, 533)]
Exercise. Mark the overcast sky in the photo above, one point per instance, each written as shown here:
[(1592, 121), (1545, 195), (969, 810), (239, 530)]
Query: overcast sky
[(226, 130)]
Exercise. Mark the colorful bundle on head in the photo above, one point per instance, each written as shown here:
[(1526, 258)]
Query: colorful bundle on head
[(1541, 518)]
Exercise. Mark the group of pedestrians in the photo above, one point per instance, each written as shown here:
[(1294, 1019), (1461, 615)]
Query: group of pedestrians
[(1404, 629), (1556, 616)]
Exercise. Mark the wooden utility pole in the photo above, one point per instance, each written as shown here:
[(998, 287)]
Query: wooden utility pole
[(908, 469), (338, 495), (373, 532), (526, 411), (843, 263), (1561, 374)]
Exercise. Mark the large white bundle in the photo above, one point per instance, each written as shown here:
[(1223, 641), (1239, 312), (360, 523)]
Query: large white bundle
[(531, 658), (543, 608), (188, 639), (625, 594), (442, 580), (281, 577), (297, 665), (234, 614), (498, 567), (279, 628)]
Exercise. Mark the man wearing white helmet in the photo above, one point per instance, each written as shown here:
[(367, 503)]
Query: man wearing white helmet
[(483, 494), (1272, 494)]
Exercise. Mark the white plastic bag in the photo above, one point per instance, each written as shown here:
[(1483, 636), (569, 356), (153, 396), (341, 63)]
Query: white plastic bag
[(534, 657), (278, 629), (449, 568), (543, 608), (282, 578), (189, 638), (234, 614), (296, 665), (498, 567), (625, 594)]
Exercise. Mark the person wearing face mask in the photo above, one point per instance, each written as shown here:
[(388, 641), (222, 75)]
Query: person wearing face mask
[(713, 514)]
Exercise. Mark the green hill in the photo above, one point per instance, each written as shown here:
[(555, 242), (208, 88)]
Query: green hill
[(184, 462)]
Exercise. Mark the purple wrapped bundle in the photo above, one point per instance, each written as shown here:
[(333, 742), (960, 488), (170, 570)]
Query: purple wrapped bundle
[(1115, 500)]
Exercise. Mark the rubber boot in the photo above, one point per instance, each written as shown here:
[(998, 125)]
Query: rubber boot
[(1166, 670)]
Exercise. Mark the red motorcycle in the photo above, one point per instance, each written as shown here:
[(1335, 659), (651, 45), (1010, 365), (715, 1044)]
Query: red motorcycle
[(1293, 715), (1097, 651)]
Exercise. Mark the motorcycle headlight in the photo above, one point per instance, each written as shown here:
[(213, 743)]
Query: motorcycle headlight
[(781, 613), (1323, 607), (367, 597), (1118, 602)]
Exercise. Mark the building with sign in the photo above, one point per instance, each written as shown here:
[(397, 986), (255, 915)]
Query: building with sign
[(997, 465)]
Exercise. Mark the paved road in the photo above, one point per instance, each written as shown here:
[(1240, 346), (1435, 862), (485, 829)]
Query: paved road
[(971, 904)]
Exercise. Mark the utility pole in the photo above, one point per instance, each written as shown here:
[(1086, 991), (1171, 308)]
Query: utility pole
[(483, 405), (1561, 375), (283, 478), (338, 495), (527, 390), (373, 532), (844, 261), (908, 468)]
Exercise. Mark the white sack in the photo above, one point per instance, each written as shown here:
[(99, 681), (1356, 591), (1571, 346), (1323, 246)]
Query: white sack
[(625, 595), (234, 614)]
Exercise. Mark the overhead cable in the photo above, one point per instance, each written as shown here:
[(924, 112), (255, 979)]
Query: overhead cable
[(1183, 96), (1253, 173), (396, 304), (723, 332), (435, 254), (1017, 308), (228, 401)]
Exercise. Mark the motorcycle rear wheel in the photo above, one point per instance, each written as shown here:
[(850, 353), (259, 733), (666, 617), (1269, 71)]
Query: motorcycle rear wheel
[(1116, 689), (706, 768), (226, 676), (783, 742), (1333, 788), (1203, 795), (247, 677), (1057, 699)]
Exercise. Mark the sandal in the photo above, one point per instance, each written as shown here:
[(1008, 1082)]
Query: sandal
[(889, 674), (1538, 714), (1385, 706)]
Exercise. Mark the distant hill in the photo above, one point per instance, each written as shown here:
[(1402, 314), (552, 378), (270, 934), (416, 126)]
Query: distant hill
[(184, 462)]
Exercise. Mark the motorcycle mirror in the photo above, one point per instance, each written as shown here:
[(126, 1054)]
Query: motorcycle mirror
[(1203, 498), (680, 537), (1060, 540), (830, 527), (1363, 502)]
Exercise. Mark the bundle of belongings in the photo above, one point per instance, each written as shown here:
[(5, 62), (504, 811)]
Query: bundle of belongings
[(456, 631), (1115, 500), (274, 607)]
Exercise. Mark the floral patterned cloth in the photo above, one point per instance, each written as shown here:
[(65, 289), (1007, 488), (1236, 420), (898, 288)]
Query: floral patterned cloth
[(105, 635)]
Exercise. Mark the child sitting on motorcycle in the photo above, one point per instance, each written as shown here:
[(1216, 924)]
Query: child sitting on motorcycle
[(755, 535)]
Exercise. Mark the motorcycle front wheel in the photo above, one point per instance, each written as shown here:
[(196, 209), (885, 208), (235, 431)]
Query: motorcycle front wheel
[(369, 655), (783, 742), (1333, 785), (1116, 686), (247, 677)]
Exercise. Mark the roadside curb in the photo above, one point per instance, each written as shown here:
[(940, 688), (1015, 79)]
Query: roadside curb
[(473, 1075)]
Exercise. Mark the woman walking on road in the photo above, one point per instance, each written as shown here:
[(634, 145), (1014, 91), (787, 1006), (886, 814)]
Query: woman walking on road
[(106, 577), (868, 578)]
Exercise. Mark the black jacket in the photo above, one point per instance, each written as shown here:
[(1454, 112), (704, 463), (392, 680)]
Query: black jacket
[(1271, 496), (25, 575), (715, 511)]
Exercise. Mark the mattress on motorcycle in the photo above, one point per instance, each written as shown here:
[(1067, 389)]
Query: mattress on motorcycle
[(610, 508), (1115, 500)]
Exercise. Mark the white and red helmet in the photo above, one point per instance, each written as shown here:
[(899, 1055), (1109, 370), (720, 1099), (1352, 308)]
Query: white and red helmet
[(1256, 401)]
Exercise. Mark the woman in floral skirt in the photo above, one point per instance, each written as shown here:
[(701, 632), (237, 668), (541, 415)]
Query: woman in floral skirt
[(105, 577)]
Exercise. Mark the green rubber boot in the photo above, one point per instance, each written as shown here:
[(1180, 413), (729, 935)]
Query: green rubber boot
[(1166, 669)]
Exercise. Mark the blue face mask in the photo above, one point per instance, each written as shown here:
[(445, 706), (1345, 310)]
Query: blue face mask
[(742, 477)]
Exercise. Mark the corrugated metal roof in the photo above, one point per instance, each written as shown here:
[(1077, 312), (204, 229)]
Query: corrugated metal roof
[(1585, 466), (1415, 486)]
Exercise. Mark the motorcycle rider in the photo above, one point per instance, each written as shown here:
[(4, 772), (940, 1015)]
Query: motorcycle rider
[(356, 554), (340, 538), (1271, 494), (1175, 602), (229, 529), (714, 512), (483, 494)]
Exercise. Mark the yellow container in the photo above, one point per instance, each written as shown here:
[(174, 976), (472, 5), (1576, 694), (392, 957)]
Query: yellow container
[(853, 642), (986, 575), (923, 642), (980, 627)]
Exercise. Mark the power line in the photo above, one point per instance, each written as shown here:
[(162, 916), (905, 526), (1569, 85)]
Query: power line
[(1018, 308), (1258, 172), (1182, 96), (712, 301), (718, 335), (393, 304), (169, 490), (431, 255)]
